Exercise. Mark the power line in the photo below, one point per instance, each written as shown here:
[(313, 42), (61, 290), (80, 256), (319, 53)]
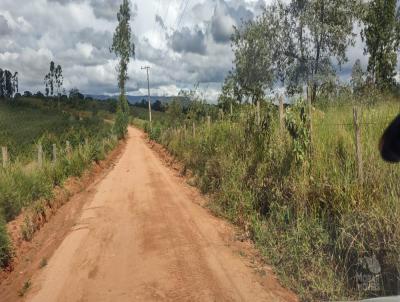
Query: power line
[(182, 14)]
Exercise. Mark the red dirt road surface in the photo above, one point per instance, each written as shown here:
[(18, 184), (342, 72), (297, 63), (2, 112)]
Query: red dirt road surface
[(141, 237)]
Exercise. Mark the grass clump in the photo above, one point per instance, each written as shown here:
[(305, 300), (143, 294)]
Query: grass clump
[(24, 289), (43, 263)]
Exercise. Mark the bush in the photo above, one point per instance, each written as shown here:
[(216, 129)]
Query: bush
[(121, 124), (5, 245)]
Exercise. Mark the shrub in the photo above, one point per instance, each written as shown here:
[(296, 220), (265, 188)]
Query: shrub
[(121, 124), (5, 244)]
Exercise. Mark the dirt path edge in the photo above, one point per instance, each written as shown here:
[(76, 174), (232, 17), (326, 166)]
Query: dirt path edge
[(29, 256)]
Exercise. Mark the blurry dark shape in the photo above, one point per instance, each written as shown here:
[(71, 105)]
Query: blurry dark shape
[(27, 94), (390, 142)]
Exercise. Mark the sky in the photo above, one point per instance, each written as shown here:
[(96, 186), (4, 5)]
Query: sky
[(185, 42)]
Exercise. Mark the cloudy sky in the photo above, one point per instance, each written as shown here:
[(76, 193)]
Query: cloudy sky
[(183, 41)]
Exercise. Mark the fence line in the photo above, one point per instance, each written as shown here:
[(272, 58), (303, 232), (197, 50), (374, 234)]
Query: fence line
[(53, 155)]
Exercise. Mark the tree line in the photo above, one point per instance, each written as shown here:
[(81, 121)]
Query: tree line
[(299, 45)]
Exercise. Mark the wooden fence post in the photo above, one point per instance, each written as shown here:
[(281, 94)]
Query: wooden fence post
[(231, 109), (194, 129), (209, 122), (356, 117), (40, 155), (221, 114), (54, 153), (310, 126), (258, 113), (281, 114), (5, 156), (68, 148)]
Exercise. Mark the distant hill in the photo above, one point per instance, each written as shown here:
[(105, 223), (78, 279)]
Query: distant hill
[(135, 99)]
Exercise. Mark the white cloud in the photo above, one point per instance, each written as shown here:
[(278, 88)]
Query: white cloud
[(183, 46)]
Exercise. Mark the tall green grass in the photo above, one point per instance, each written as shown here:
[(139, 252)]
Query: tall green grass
[(24, 184), (304, 208)]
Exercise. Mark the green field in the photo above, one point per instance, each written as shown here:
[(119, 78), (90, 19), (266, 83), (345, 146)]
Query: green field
[(143, 114), (24, 184), (22, 127)]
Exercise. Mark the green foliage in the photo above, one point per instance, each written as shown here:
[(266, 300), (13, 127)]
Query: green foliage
[(120, 127), (357, 77), (230, 93), (175, 112), (312, 223), (124, 48), (5, 244), (382, 41), (294, 43), (297, 124)]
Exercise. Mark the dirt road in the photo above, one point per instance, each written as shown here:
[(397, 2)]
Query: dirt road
[(142, 238)]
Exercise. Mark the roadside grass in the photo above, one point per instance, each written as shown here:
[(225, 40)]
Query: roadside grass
[(5, 245), (26, 185), (306, 211)]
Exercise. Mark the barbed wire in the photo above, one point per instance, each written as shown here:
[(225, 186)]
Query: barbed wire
[(352, 124)]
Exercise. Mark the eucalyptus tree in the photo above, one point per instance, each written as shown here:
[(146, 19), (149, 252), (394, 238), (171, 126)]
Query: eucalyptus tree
[(357, 77), (123, 47), (53, 80), (320, 33), (8, 83), (14, 80), (49, 80), (59, 79), (2, 86), (297, 44), (257, 55), (382, 37)]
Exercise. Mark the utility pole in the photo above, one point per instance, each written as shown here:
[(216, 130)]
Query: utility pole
[(148, 90)]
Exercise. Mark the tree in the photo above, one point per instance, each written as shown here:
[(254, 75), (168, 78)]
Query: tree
[(293, 43), (59, 79), (124, 48), (175, 112), (255, 56), (27, 94), (157, 106), (9, 88), (75, 94), (357, 77), (15, 83), (46, 84), (2, 83), (381, 35), (112, 105), (53, 79), (39, 95), (230, 94)]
